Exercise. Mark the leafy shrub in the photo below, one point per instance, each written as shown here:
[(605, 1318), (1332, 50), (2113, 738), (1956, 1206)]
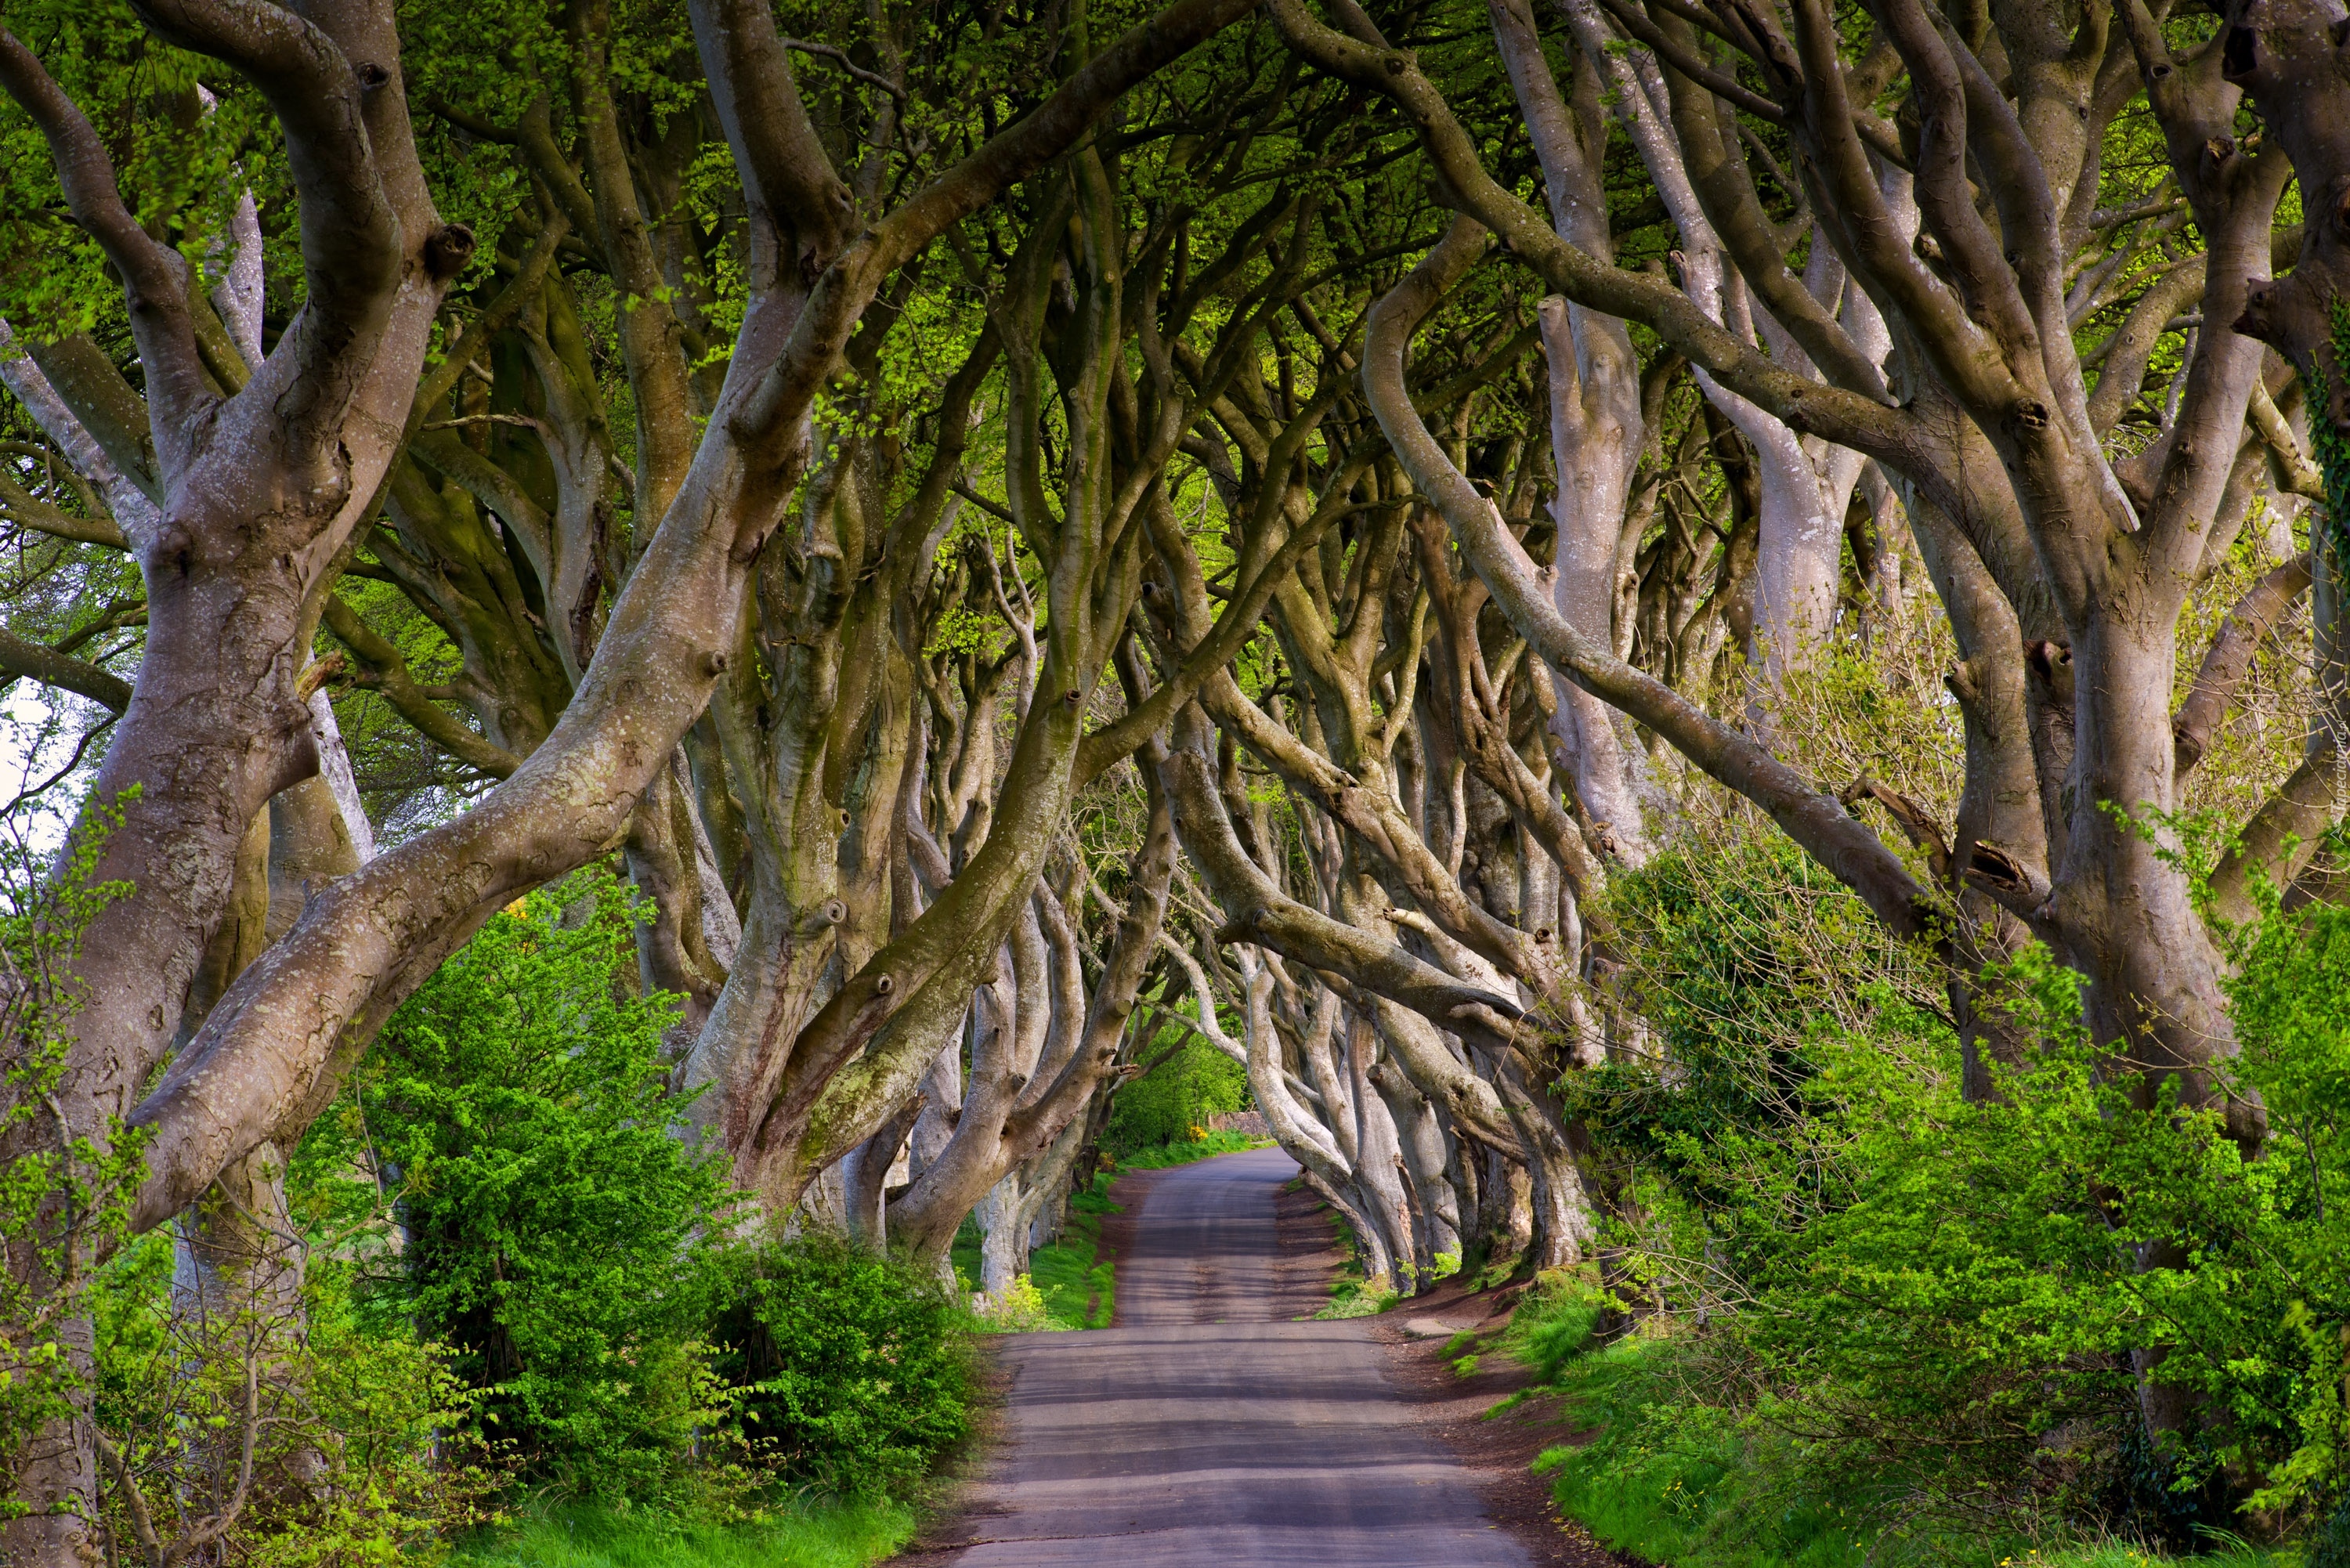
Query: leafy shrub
[(362, 1449), (2329, 1544), (1970, 1309), (1674, 1479), (1747, 961), (2291, 1002), (62, 1200), (560, 1237), (509, 1174), (1022, 1309), (848, 1370)]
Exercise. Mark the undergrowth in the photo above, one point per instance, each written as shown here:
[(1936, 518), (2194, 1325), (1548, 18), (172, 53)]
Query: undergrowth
[(1668, 1479), (1185, 1082), (1353, 1298), (1351, 1294), (1889, 1317), (1075, 1287), (815, 1534)]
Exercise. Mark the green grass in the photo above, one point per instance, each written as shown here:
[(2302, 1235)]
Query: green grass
[(824, 1535), (1692, 1486), (1350, 1298), (1207, 1148), (1079, 1288), (2115, 1554), (1672, 1483)]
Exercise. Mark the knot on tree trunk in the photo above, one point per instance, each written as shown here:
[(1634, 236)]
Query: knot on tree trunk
[(448, 251)]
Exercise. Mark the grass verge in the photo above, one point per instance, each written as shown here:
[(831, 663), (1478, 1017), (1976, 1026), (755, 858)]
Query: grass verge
[(1207, 1148), (1352, 1295), (816, 1535), (1079, 1287)]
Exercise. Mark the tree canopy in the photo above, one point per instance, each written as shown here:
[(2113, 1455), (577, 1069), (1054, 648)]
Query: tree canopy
[(1586, 590)]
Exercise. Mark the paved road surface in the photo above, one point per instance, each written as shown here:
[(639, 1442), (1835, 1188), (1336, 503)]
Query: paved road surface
[(1206, 1431)]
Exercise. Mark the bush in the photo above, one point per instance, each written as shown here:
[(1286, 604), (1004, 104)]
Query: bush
[(362, 1444), (560, 1237), (848, 1370), (509, 1177), (1023, 1310), (2329, 1544), (1674, 1479)]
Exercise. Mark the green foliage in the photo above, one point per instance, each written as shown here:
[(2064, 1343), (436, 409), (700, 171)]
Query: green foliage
[(1351, 1294), (846, 1369), (560, 1237), (2117, 1553), (1554, 1323), (1672, 1480), (1078, 1286), (1171, 1103), (1021, 1310), (2329, 1544), (573, 1249), (815, 1534), (378, 1429), (1996, 1265), (1921, 1312), (1733, 951), (1357, 1298), (173, 159), (2291, 1002), (2331, 451), (1668, 1477), (63, 1201)]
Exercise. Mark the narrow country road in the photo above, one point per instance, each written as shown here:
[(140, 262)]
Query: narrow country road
[(1207, 1431)]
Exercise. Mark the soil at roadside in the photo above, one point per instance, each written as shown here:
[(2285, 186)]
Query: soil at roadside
[(1499, 1448)]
